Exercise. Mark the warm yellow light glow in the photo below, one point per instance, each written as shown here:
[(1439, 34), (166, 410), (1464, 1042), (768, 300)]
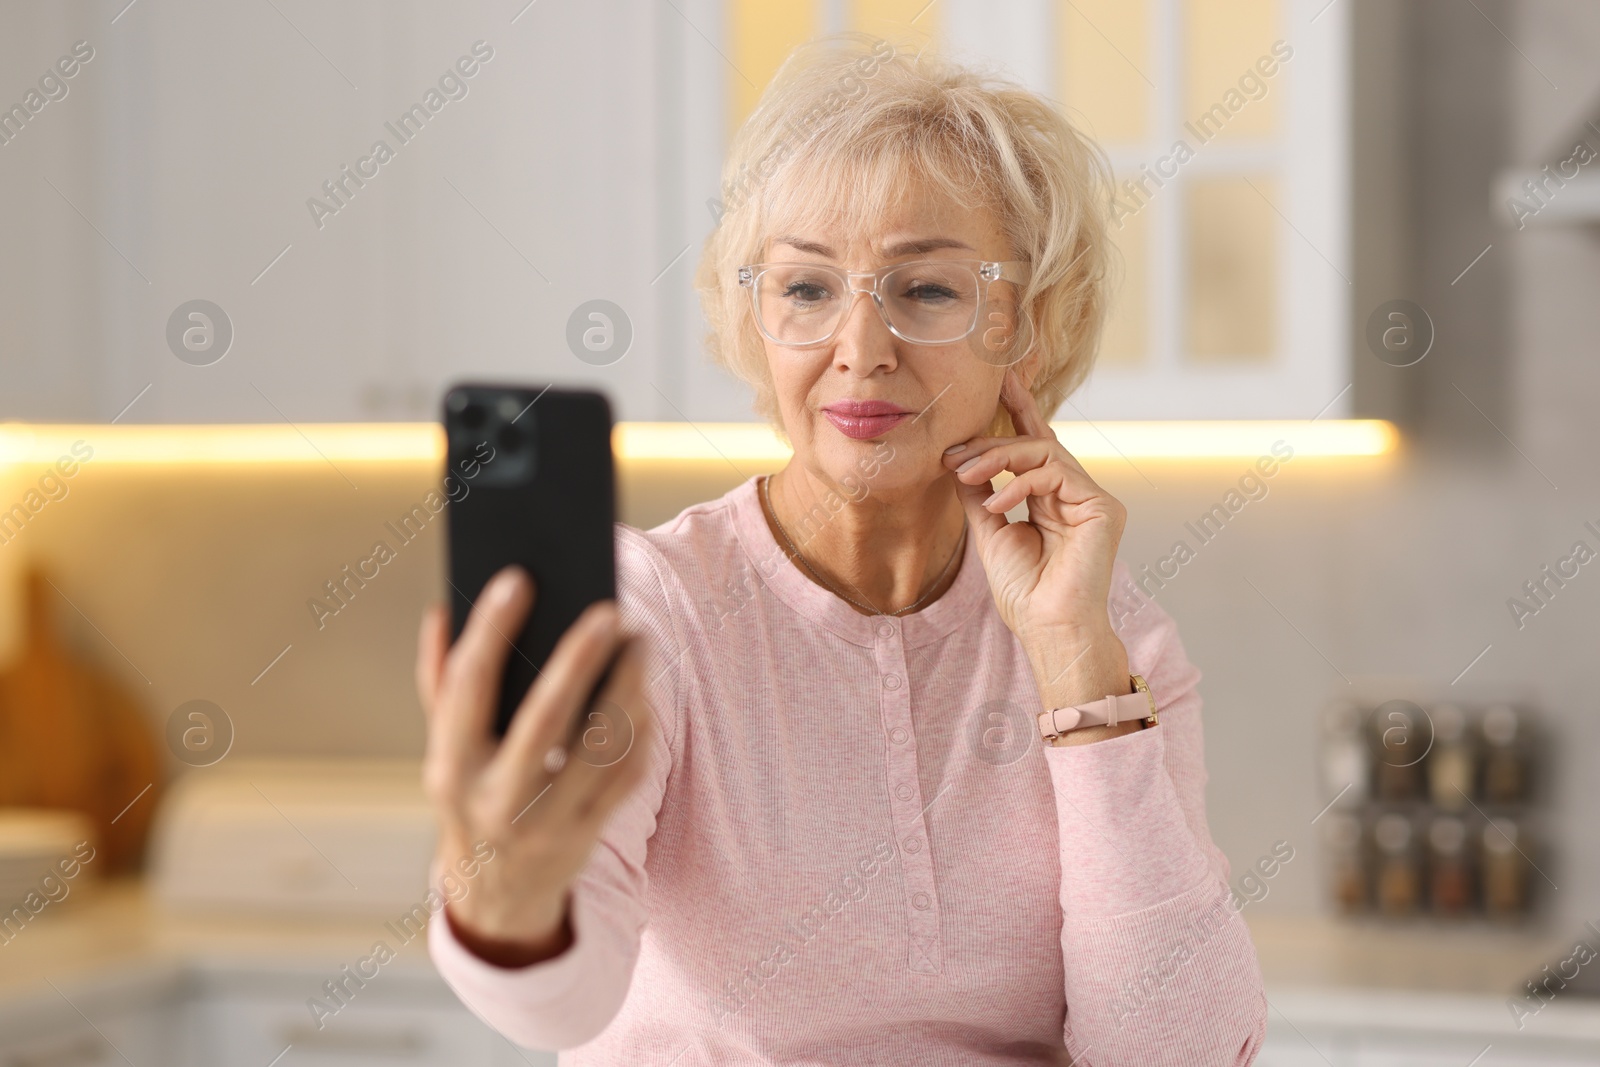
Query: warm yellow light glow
[(385, 442), (1199, 439), (1219, 439), (687, 441), (318, 442)]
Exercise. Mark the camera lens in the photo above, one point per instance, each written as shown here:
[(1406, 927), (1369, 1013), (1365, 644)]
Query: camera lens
[(473, 415), (510, 438)]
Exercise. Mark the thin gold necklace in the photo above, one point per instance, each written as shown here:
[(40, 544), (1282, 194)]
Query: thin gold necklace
[(794, 553)]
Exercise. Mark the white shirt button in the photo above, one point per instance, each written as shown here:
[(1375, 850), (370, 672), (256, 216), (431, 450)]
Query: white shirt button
[(891, 681), (903, 792), (886, 630), (919, 901), (913, 844), (898, 736)]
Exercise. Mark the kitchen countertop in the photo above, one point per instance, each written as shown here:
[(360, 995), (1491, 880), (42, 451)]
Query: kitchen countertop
[(110, 948), (1321, 972), (1324, 951), (117, 925)]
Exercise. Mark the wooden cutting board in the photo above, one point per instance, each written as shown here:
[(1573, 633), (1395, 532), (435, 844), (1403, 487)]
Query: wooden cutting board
[(71, 736)]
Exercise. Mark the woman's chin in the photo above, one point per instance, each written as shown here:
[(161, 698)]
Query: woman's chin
[(876, 467)]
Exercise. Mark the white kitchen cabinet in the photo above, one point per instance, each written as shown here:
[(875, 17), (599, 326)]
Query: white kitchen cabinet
[(1351, 1049), (128, 1016), (256, 1030), (242, 1017), (1392, 1028)]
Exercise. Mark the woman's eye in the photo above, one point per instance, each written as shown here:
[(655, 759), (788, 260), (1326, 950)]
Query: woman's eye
[(805, 293), (930, 294)]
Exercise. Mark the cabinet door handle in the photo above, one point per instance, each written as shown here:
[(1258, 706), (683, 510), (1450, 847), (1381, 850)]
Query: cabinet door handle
[(411, 1044)]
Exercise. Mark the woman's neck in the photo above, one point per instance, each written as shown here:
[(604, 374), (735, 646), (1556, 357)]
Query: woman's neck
[(880, 550)]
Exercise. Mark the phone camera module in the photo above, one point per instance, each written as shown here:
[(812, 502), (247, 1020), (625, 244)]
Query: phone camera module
[(493, 433)]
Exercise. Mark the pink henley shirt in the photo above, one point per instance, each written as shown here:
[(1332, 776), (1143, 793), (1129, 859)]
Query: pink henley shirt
[(853, 848)]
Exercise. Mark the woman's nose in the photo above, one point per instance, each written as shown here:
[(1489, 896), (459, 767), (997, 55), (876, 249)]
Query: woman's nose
[(864, 342)]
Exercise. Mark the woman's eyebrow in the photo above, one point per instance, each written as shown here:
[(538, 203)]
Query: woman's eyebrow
[(803, 245), (915, 246), (919, 245)]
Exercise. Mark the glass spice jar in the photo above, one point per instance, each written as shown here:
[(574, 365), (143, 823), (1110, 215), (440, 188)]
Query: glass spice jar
[(1505, 757), (1452, 763), (1400, 736), (1505, 870), (1346, 863), (1399, 875), (1346, 760), (1449, 868)]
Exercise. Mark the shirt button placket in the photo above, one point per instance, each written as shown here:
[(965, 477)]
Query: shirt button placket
[(921, 903)]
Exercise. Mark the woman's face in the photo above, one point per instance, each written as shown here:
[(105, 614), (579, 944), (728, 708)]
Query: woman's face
[(940, 394)]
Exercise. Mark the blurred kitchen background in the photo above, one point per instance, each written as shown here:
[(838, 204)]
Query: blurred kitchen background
[(226, 324)]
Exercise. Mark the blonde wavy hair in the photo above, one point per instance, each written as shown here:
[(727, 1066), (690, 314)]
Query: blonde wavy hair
[(845, 124)]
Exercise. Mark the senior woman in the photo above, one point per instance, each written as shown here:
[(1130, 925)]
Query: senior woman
[(841, 831)]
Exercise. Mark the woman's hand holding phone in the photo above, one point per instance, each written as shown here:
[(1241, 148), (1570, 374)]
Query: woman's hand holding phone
[(543, 824)]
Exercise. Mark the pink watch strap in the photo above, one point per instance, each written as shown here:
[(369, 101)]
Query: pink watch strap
[(1105, 712)]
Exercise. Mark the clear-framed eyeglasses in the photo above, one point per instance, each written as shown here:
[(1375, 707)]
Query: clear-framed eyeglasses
[(926, 302)]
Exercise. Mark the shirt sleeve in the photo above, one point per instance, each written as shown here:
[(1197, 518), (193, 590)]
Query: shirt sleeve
[(1159, 965), (569, 1000)]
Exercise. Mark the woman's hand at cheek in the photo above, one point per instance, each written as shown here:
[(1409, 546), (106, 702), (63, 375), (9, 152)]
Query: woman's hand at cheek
[(1051, 574)]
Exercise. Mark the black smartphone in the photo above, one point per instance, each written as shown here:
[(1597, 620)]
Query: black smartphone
[(530, 481)]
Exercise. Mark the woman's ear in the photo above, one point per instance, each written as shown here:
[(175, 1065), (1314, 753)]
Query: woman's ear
[(1027, 368)]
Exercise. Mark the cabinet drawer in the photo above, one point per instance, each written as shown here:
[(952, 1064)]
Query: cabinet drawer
[(145, 1034)]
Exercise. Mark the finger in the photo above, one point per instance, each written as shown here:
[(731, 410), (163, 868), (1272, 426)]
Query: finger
[(1073, 484), (957, 454), (621, 718), (433, 644), (1016, 454), (1050, 484), (978, 446), (984, 522), (616, 729), (1042, 481), (1024, 410), (470, 685), (546, 713)]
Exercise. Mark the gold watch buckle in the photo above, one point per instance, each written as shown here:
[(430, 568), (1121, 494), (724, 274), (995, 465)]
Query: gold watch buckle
[(1140, 686)]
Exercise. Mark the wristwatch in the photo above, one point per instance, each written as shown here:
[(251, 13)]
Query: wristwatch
[(1139, 704)]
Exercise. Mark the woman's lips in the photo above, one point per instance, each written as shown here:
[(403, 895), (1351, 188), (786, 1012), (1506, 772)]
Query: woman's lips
[(864, 426), (862, 419)]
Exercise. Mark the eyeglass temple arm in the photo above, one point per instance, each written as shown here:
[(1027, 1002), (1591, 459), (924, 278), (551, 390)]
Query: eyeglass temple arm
[(1011, 270)]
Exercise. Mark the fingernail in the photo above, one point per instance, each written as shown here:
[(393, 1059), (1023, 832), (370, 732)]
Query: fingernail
[(968, 465), (953, 449), (991, 500), (505, 586)]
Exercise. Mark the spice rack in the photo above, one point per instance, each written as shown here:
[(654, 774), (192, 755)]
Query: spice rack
[(1432, 809)]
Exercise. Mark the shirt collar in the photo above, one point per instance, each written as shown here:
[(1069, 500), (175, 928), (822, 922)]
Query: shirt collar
[(785, 579)]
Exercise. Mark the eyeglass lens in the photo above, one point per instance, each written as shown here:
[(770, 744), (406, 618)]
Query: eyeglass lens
[(929, 303)]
